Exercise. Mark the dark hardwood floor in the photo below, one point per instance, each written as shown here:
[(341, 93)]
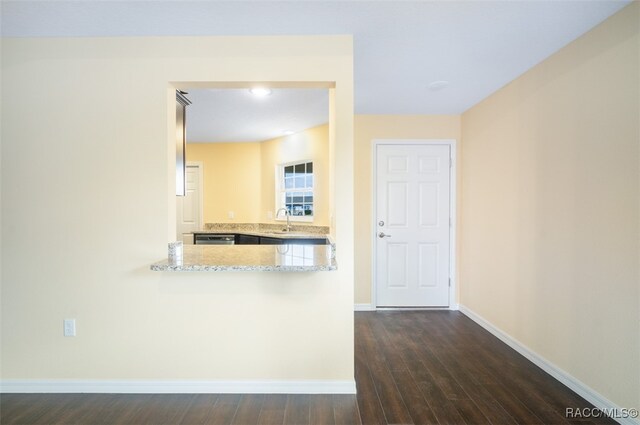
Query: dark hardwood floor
[(420, 367)]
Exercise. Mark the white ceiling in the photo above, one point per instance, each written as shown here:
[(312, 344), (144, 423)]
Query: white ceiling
[(399, 46), (236, 115)]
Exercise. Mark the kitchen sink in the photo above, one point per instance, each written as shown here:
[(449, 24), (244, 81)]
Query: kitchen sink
[(284, 232)]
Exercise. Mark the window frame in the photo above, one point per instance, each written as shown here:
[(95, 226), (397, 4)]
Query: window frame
[(280, 190)]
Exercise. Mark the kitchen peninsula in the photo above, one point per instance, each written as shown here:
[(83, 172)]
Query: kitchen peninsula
[(269, 248), (264, 234)]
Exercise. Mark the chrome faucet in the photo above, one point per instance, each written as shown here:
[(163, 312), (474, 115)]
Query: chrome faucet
[(286, 214)]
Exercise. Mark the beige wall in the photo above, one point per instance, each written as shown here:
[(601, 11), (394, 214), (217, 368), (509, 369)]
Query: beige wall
[(231, 180), (88, 170), (311, 144), (550, 209), (367, 129)]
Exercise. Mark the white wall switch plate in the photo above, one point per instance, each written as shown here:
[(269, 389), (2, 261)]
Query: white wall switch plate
[(69, 327)]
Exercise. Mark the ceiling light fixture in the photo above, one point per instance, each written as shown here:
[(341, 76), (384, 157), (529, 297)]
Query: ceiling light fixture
[(438, 85), (260, 91), (288, 132)]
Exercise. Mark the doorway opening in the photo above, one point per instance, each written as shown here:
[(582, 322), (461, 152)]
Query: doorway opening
[(189, 208)]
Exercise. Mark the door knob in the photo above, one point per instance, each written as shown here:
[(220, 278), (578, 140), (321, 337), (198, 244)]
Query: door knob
[(382, 235)]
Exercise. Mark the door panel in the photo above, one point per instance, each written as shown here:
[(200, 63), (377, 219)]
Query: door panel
[(412, 243), (188, 207), (397, 164), (428, 204), (429, 164), (428, 264), (398, 265), (398, 204)]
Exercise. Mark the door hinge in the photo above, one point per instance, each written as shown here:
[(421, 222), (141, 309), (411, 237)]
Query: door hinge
[(449, 282), (450, 162)]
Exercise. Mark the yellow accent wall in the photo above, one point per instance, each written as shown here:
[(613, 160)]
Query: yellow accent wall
[(93, 181), (240, 177), (550, 209), (231, 180), (367, 129), (311, 144)]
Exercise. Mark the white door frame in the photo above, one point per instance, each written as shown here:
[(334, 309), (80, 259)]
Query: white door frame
[(453, 305), (200, 166)]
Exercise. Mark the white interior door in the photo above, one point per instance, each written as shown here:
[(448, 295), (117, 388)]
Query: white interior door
[(188, 207), (412, 225)]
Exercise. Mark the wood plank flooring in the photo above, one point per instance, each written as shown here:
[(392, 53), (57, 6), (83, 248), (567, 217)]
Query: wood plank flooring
[(420, 367)]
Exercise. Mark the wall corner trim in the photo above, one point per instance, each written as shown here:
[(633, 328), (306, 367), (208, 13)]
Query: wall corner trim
[(561, 375), (363, 307), (177, 387)]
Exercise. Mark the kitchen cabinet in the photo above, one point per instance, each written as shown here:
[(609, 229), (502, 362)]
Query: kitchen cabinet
[(181, 140), (292, 241), (247, 240), (242, 239), (310, 241), (271, 241)]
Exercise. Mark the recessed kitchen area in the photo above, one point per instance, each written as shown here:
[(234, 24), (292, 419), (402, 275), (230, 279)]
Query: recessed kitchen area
[(252, 170)]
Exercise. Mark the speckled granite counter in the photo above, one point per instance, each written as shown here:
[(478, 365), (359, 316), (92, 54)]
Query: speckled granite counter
[(272, 230), (279, 235), (267, 258), (265, 227)]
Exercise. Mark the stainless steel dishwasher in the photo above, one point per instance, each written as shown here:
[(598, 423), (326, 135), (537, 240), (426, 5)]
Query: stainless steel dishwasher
[(206, 239)]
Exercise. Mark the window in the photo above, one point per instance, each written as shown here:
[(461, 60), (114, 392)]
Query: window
[(295, 190)]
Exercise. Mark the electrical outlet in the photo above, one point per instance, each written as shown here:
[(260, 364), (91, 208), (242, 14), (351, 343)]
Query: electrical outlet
[(231, 215), (269, 215), (69, 327)]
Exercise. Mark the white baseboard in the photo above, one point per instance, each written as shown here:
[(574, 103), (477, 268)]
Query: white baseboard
[(370, 307), (176, 387), (564, 377)]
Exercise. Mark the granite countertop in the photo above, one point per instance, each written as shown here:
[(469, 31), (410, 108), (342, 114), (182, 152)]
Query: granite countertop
[(265, 233), (268, 258), (270, 230)]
